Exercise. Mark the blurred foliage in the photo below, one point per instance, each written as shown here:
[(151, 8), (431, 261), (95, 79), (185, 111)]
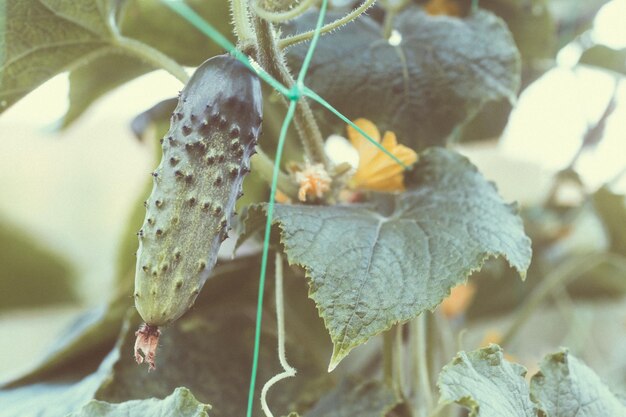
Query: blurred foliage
[(203, 340), (156, 25), (31, 275), (605, 57)]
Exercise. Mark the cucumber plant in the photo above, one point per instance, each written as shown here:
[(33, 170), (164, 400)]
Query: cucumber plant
[(365, 253)]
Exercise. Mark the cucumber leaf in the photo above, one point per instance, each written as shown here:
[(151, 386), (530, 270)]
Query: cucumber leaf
[(180, 403), (566, 387), (373, 265), (486, 384), (439, 75)]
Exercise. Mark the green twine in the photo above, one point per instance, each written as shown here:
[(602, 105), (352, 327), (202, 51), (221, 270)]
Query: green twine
[(294, 94)]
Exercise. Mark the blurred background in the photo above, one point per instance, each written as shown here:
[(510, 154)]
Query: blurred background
[(66, 195)]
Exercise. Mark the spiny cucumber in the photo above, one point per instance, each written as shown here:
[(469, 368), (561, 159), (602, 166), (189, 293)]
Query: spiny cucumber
[(206, 154)]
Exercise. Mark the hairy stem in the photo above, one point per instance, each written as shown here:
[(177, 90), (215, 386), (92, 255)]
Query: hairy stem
[(272, 60), (264, 165), (305, 36), (241, 21), (278, 17), (280, 320), (152, 56)]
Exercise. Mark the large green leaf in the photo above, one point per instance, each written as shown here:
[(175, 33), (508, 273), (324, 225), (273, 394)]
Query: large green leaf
[(41, 38), (488, 385), (180, 403), (354, 397), (371, 266), (566, 387), (440, 75)]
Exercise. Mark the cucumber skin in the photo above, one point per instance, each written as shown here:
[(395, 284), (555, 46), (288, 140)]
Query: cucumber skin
[(206, 155)]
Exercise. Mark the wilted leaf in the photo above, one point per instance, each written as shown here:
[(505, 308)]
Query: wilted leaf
[(566, 387), (355, 397), (440, 75), (31, 276), (371, 266), (42, 38), (180, 403), (484, 382)]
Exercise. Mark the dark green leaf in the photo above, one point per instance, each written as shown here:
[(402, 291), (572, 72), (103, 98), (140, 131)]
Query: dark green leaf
[(486, 384), (31, 276), (371, 266), (605, 57), (566, 387), (439, 76), (181, 403), (354, 397), (99, 76), (42, 38)]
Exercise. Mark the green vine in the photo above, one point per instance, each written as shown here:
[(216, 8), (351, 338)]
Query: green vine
[(305, 36)]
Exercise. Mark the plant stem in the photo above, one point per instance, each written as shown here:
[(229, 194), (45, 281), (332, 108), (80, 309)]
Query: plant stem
[(282, 16), (305, 36), (399, 359), (422, 375), (560, 276), (388, 357), (392, 358), (264, 165), (272, 60), (152, 56), (241, 21)]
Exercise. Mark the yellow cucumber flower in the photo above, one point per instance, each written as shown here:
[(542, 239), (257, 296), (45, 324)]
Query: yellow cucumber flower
[(376, 170)]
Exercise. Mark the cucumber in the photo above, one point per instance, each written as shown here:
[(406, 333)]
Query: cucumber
[(206, 155)]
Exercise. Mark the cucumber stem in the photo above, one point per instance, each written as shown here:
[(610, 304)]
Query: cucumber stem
[(264, 165), (272, 60), (241, 21)]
